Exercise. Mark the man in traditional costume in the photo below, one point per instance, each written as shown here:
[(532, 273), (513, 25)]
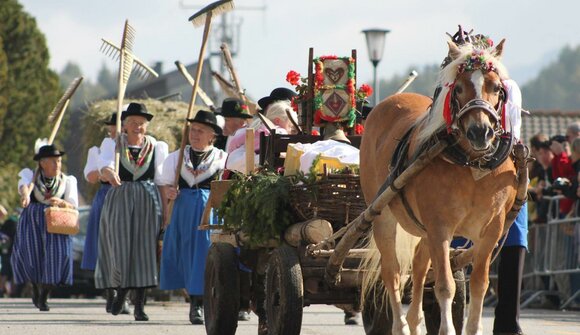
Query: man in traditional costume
[(38, 256), (184, 246), (132, 212)]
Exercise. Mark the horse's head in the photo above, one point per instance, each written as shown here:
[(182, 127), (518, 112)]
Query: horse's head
[(476, 96)]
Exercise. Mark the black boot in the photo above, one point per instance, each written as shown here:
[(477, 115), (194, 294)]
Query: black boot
[(110, 293), (195, 310), (43, 298), (119, 301), (35, 294), (509, 285), (139, 311)]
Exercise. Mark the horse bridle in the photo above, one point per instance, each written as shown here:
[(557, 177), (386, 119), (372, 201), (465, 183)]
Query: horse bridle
[(477, 103)]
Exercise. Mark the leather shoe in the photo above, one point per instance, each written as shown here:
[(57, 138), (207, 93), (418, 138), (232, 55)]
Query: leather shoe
[(243, 316), (350, 318), (195, 315)]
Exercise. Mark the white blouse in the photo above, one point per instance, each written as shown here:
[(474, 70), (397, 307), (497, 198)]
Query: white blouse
[(70, 192), (107, 157)]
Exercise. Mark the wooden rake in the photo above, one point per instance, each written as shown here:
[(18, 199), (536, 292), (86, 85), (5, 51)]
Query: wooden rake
[(58, 111), (128, 63), (202, 17)]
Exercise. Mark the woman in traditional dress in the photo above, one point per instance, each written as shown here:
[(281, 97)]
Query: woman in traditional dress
[(38, 256), (184, 247), (93, 176), (132, 213)]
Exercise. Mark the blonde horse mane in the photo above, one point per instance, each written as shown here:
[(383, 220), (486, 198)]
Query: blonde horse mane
[(372, 286), (433, 121)]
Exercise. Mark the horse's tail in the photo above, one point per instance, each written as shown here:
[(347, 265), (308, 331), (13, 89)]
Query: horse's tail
[(373, 289)]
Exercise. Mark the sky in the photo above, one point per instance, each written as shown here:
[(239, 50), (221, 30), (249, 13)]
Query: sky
[(276, 39)]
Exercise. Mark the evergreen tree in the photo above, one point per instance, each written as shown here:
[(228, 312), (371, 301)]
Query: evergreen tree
[(423, 84), (28, 91), (557, 85), (107, 80)]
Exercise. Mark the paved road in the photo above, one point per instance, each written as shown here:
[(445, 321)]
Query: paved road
[(84, 317)]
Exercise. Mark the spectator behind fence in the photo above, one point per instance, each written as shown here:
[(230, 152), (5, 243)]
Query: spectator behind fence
[(541, 183), (562, 167)]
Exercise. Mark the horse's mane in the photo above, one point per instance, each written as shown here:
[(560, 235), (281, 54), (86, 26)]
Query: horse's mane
[(433, 121)]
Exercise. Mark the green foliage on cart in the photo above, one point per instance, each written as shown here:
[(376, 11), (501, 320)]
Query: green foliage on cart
[(258, 205)]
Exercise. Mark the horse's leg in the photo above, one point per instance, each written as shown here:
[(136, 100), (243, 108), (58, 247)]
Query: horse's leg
[(444, 282), (478, 282), (385, 231), (420, 267)]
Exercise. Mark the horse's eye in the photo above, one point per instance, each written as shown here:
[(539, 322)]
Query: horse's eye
[(458, 90), (496, 88)]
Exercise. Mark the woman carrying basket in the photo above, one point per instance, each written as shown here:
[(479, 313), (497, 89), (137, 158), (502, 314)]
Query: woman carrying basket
[(38, 256)]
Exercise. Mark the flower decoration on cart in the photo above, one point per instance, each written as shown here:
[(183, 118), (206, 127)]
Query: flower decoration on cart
[(335, 95)]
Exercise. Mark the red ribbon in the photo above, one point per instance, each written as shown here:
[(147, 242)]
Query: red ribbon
[(447, 108)]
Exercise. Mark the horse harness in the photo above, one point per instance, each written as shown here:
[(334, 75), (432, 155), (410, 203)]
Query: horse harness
[(497, 154)]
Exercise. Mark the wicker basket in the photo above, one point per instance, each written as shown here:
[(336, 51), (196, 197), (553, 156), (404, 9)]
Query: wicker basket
[(335, 197), (62, 220)]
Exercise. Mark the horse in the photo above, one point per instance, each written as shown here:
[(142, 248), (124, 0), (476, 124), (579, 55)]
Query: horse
[(447, 198)]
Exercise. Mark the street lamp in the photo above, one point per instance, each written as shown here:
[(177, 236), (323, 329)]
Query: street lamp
[(376, 46)]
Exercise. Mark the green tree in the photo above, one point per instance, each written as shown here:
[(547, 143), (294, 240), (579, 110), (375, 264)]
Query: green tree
[(28, 90), (107, 80), (557, 85), (423, 84)]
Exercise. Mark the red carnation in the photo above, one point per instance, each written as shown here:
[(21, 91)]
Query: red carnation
[(293, 78), (366, 90), (359, 129)]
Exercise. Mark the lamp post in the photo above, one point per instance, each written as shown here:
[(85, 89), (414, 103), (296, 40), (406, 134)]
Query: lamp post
[(376, 46)]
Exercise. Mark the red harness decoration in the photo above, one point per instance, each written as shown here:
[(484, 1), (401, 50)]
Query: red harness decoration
[(505, 99), (447, 108)]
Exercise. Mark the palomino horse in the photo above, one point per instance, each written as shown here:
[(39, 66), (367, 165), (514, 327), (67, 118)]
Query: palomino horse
[(446, 199)]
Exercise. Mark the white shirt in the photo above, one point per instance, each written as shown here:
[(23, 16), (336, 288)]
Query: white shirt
[(107, 157), (513, 108), (70, 192)]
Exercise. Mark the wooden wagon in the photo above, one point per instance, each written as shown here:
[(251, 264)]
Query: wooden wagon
[(317, 259)]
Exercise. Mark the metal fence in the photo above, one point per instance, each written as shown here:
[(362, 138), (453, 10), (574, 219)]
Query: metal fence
[(552, 267)]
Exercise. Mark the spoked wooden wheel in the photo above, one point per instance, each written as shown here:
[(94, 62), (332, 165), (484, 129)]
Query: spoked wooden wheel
[(221, 299), (377, 316), (284, 292)]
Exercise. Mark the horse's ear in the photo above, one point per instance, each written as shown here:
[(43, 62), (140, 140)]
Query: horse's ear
[(498, 50), (453, 50)]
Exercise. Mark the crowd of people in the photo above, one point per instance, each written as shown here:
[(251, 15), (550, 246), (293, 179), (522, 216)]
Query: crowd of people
[(131, 229), (555, 175), (138, 208)]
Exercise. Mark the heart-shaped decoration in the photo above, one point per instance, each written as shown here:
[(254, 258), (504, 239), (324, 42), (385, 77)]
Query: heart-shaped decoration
[(335, 103), (334, 75)]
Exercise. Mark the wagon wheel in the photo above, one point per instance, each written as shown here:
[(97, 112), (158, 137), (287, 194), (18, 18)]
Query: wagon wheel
[(433, 312), (221, 299), (284, 292), (377, 317)]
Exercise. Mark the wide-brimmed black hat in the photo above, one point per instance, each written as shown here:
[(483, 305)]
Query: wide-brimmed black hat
[(280, 93), (232, 107), (366, 109), (135, 109), (112, 121), (207, 118), (48, 151)]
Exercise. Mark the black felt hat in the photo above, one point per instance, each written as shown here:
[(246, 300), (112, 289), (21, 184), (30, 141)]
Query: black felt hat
[(135, 109), (280, 93), (112, 121), (232, 107), (207, 118), (366, 109), (48, 151)]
